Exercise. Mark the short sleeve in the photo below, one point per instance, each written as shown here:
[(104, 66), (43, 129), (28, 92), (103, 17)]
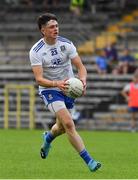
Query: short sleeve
[(72, 51), (34, 59), (127, 88)]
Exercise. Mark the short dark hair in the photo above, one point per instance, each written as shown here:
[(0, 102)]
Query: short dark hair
[(44, 18)]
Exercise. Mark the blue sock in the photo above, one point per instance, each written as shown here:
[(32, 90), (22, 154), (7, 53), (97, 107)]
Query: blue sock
[(49, 137), (85, 156)]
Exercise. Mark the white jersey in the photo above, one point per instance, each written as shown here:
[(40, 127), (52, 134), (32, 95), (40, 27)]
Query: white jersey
[(55, 59)]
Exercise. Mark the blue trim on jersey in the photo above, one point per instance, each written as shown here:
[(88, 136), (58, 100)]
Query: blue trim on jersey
[(53, 95), (39, 46), (60, 38)]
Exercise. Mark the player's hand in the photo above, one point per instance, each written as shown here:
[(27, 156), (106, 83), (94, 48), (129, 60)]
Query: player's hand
[(84, 86), (127, 98), (63, 85)]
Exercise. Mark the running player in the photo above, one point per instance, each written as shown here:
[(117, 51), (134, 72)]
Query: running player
[(51, 60)]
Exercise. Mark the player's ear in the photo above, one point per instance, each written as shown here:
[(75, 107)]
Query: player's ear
[(42, 30)]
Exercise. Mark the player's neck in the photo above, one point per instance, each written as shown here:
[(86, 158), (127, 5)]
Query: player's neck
[(50, 41)]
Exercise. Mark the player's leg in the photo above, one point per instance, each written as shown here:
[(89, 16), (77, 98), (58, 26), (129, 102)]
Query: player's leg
[(133, 122), (65, 118), (56, 130), (133, 111)]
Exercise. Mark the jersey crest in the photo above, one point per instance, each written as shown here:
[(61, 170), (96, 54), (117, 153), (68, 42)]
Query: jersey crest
[(62, 48)]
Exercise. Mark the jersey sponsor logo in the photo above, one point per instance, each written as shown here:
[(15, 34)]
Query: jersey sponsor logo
[(56, 61)]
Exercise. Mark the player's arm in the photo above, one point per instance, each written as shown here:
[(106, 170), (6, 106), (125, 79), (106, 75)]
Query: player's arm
[(125, 92), (82, 72), (125, 95), (38, 73)]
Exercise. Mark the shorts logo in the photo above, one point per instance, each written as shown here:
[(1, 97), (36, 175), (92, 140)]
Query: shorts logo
[(50, 97)]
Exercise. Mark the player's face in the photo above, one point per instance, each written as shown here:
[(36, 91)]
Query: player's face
[(51, 29)]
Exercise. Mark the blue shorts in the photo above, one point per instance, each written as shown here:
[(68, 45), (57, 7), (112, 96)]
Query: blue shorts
[(133, 109), (50, 96)]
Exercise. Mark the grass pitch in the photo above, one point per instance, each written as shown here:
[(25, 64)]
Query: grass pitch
[(20, 159)]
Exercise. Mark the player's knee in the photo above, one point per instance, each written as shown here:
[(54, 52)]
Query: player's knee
[(69, 125)]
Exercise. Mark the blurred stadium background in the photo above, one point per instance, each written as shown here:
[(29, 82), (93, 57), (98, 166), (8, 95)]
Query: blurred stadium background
[(102, 21)]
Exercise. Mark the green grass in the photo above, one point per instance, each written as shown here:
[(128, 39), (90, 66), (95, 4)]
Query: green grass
[(19, 156)]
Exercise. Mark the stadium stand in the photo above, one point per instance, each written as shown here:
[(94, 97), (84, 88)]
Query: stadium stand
[(102, 107)]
